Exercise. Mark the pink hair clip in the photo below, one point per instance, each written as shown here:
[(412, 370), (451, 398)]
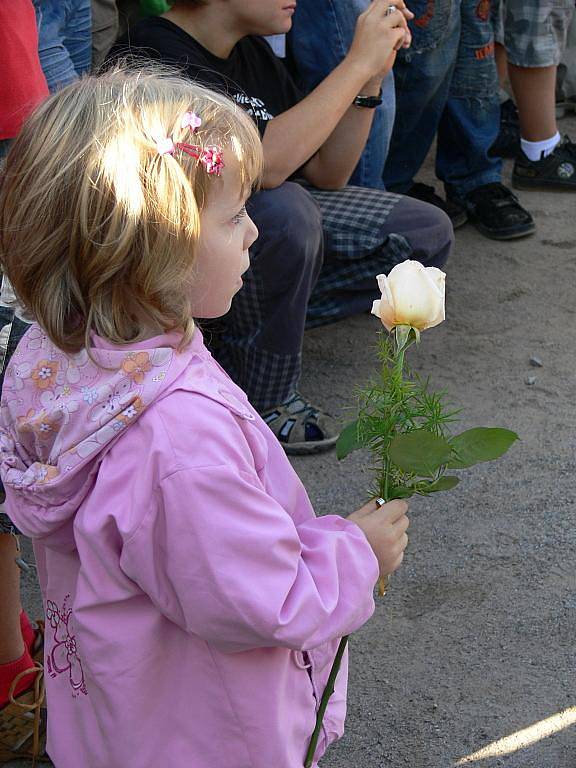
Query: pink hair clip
[(191, 120), (213, 160), (210, 157), (165, 146)]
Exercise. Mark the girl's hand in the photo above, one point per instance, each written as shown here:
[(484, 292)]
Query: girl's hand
[(385, 528), (379, 34)]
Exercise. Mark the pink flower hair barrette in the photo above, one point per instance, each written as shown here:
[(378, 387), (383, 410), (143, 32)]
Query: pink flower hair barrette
[(211, 156), (191, 120)]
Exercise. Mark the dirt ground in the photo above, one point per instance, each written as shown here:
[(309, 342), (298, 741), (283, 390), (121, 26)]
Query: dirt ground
[(474, 642)]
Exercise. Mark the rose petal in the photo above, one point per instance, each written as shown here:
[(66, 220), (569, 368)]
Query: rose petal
[(382, 280), (417, 300)]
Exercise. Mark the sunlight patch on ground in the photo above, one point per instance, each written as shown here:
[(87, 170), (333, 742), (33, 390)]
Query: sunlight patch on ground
[(524, 738)]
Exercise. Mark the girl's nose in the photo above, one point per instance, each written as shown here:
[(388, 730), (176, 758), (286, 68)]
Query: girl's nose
[(251, 233)]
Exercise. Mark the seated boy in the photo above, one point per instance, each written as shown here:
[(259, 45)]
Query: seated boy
[(321, 243)]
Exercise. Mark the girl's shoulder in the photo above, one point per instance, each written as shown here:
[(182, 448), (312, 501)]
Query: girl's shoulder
[(204, 419)]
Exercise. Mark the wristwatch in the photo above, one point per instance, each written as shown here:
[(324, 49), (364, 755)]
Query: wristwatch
[(370, 102)]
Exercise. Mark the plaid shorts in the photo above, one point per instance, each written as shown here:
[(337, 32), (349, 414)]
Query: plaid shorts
[(358, 247), (534, 32), (12, 328), (353, 219)]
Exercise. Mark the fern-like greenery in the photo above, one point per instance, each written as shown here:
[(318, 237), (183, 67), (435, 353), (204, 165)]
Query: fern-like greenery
[(398, 402)]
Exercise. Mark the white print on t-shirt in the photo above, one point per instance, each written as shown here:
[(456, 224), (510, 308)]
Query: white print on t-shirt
[(254, 107)]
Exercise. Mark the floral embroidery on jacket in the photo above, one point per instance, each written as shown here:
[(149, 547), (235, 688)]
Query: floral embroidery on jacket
[(45, 373), (63, 657), (66, 408), (137, 365)]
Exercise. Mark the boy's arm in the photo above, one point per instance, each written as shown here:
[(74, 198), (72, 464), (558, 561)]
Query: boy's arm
[(324, 133), (322, 119)]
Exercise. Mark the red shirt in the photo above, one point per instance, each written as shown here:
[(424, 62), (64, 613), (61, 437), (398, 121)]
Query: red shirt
[(22, 82)]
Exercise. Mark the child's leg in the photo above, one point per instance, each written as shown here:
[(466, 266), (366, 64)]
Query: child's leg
[(14, 649), (535, 37), (423, 74), (78, 35), (56, 60), (17, 637), (402, 228), (22, 716), (471, 118), (11, 641), (534, 91)]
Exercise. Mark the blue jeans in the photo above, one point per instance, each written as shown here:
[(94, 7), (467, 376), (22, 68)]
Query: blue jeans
[(64, 39), (447, 84), (321, 36)]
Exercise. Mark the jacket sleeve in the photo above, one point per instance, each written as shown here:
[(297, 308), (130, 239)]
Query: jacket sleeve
[(223, 560)]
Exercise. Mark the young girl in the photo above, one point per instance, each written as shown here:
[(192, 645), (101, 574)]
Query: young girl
[(193, 601)]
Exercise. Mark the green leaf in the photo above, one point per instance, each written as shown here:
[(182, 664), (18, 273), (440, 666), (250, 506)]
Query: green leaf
[(348, 440), (400, 492), (480, 444), (444, 483), (420, 453)]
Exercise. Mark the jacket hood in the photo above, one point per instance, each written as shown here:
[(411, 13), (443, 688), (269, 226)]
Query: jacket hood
[(60, 413)]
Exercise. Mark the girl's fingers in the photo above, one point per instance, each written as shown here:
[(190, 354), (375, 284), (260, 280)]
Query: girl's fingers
[(397, 563), (394, 510), (402, 524)]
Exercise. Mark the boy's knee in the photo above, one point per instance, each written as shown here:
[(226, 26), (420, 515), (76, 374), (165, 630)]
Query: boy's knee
[(288, 213), (437, 237), (427, 229)]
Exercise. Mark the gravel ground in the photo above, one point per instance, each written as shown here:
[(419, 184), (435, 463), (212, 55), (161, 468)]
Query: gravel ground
[(475, 640)]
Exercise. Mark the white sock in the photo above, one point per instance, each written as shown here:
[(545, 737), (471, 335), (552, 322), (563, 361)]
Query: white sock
[(538, 150)]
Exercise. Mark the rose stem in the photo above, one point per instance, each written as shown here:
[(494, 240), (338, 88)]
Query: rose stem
[(328, 691)]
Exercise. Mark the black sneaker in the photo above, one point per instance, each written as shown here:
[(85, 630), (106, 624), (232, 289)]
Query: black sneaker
[(451, 208), (557, 171), (508, 142), (496, 213)]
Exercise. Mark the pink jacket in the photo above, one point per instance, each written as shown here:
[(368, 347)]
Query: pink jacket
[(193, 601)]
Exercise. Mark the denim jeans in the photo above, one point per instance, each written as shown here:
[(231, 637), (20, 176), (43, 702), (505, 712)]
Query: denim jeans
[(447, 84), (64, 39), (321, 36), (4, 147)]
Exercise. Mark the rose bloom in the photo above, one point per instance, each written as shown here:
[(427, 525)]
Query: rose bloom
[(411, 295)]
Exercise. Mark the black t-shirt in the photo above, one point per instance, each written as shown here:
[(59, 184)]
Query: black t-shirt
[(252, 75)]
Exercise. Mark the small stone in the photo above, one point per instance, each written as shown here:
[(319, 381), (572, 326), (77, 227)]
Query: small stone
[(530, 380), (536, 362)]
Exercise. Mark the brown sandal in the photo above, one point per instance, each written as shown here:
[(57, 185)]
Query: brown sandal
[(23, 720), (300, 427)]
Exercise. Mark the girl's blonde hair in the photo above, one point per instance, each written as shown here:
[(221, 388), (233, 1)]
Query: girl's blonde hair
[(98, 231)]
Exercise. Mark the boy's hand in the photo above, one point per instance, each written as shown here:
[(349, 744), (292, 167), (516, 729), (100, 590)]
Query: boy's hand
[(379, 34), (408, 15), (385, 528)]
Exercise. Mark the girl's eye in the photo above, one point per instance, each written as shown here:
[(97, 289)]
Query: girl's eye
[(239, 216)]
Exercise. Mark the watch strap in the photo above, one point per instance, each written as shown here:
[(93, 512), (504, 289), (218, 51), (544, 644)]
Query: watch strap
[(369, 102)]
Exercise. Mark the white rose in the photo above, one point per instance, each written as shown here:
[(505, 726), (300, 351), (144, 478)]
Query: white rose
[(411, 295)]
